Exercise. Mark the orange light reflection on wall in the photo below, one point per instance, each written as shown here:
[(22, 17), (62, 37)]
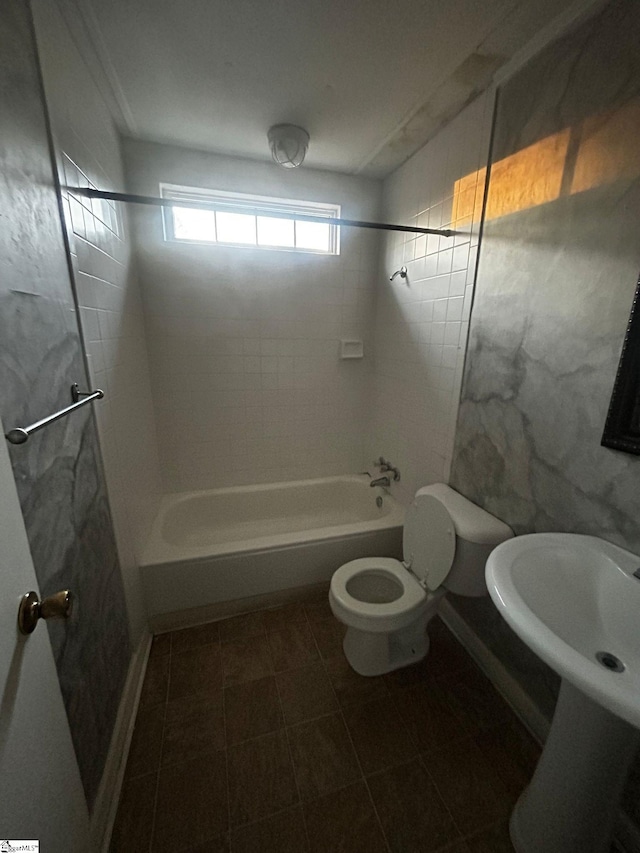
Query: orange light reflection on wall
[(529, 177), (599, 150), (609, 148)]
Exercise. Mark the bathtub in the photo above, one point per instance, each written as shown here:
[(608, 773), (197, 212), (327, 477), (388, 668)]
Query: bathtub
[(238, 543)]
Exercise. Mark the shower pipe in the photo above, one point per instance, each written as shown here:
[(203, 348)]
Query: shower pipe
[(228, 208)]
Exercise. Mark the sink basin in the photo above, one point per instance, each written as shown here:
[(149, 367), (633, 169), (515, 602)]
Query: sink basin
[(574, 601)]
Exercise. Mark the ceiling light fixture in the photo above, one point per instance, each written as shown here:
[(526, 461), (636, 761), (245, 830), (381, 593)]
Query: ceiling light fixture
[(288, 144)]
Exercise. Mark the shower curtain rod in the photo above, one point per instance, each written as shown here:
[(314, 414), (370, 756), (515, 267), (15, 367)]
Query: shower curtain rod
[(208, 205)]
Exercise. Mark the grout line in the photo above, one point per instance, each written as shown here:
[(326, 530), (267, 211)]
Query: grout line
[(418, 750), (265, 634), (366, 783), (304, 818), (424, 766), (265, 818), (344, 723), (311, 719), (293, 766)]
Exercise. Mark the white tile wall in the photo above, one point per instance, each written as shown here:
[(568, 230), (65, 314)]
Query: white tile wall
[(421, 323), (111, 317), (244, 343)]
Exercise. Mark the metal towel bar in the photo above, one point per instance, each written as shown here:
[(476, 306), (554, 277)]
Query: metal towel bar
[(20, 434)]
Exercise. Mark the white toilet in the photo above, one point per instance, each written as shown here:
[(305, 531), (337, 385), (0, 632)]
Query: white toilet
[(386, 604)]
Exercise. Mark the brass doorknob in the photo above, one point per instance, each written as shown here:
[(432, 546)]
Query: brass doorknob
[(56, 606)]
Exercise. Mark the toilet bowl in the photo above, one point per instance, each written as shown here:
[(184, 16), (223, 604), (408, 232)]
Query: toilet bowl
[(387, 604)]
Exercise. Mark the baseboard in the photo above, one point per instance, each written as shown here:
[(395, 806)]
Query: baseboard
[(627, 834), (106, 803), (521, 703)]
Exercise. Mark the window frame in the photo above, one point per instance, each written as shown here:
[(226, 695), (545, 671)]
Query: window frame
[(255, 205)]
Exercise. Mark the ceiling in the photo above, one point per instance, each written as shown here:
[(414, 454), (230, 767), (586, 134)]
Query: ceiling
[(370, 80)]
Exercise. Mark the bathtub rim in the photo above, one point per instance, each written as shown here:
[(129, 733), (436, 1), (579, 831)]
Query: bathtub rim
[(157, 551)]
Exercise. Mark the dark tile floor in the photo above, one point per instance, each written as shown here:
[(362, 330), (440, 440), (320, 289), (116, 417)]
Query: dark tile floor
[(254, 735)]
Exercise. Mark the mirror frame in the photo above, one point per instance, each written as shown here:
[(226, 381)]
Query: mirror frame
[(622, 427)]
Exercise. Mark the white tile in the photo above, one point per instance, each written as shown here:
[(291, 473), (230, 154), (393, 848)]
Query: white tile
[(452, 333), (445, 260), (440, 310), (449, 356), (454, 309), (430, 266), (457, 283), (460, 258)]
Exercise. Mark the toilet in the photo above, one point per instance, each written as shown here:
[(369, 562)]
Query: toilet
[(387, 604)]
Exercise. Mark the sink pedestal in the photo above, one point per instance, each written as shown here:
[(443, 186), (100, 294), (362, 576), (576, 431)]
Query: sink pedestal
[(571, 803)]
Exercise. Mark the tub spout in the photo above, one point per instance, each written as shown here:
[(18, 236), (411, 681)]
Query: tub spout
[(381, 481)]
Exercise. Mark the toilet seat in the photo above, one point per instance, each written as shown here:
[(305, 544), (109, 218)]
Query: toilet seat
[(429, 548), (376, 617), (428, 540)]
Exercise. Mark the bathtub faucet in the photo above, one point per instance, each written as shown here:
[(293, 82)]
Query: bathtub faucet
[(384, 465), (381, 481)]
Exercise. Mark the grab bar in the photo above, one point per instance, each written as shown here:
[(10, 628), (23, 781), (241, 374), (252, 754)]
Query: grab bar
[(20, 434)]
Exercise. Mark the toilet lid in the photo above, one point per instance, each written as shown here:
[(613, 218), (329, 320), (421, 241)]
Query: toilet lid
[(429, 540)]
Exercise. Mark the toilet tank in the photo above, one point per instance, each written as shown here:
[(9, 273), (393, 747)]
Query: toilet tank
[(477, 534)]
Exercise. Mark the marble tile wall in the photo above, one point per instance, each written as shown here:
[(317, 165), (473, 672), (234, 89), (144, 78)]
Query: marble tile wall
[(58, 471), (421, 323), (108, 293), (557, 271), (244, 343)]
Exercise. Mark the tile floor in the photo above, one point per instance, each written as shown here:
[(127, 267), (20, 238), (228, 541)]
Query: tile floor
[(254, 734)]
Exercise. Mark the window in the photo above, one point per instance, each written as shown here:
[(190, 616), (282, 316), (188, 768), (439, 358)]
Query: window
[(249, 221)]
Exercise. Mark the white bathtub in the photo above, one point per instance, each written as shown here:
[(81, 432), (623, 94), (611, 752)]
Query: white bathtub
[(235, 543)]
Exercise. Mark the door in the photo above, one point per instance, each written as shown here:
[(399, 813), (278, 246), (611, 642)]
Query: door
[(41, 796)]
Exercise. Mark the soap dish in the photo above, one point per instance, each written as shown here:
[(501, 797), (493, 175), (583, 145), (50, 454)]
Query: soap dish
[(351, 349)]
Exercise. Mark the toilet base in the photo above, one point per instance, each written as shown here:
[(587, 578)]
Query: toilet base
[(374, 654)]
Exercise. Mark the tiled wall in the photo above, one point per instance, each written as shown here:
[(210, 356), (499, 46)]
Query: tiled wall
[(88, 153), (557, 273), (244, 343), (421, 323)]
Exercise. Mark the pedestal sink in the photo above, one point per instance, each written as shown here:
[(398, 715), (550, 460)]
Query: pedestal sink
[(575, 601)]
